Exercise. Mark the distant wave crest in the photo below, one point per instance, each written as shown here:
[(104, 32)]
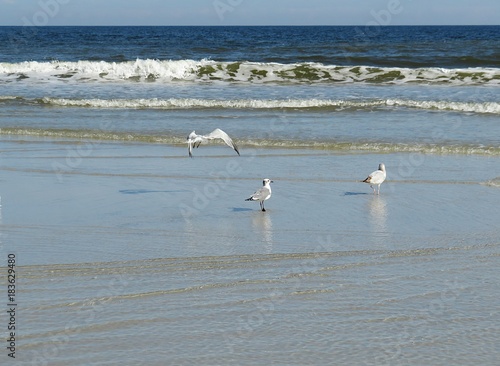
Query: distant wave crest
[(323, 104), (310, 104), (148, 70)]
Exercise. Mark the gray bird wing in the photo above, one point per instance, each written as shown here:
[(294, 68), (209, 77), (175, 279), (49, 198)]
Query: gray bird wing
[(261, 194), (190, 141), (219, 134)]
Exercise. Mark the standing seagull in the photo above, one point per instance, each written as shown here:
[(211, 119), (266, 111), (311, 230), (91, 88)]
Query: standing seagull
[(195, 140), (376, 178), (262, 194)]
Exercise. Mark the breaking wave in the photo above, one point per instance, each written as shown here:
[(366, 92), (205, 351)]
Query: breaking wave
[(311, 104), (148, 70)]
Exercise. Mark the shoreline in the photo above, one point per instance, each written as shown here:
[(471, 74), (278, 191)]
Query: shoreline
[(350, 147), (154, 190)]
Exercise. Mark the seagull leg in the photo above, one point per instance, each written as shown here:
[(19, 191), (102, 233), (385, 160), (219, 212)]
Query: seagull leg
[(262, 206)]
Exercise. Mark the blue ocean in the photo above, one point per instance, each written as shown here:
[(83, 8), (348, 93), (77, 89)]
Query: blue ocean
[(414, 80), (128, 251)]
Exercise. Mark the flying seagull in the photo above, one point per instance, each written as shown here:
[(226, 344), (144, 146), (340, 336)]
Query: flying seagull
[(376, 178), (195, 140), (262, 194)]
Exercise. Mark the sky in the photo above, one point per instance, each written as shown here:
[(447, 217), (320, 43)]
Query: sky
[(249, 12)]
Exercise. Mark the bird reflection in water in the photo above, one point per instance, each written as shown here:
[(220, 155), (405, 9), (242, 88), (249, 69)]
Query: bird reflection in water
[(262, 224), (377, 208)]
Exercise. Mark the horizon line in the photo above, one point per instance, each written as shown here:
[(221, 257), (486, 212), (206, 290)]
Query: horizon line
[(256, 25)]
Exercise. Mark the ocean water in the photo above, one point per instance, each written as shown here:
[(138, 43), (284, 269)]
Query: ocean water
[(421, 89), (130, 252)]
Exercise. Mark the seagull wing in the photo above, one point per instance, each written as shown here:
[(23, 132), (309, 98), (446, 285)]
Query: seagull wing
[(219, 134), (191, 140), (376, 177), (260, 195), (190, 149)]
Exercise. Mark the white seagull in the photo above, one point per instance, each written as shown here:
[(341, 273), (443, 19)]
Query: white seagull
[(376, 178), (195, 140), (262, 194)]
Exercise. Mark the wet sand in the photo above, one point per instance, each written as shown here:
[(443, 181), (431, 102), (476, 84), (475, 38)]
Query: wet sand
[(124, 242)]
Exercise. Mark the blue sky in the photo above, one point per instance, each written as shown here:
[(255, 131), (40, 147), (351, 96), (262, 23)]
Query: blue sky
[(248, 12)]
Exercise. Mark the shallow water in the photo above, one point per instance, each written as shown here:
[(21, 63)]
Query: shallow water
[(155, 191), (129, 252), (109, 258)]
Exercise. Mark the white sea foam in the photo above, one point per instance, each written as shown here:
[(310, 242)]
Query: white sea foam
[(493, 182), (241, 72), (334, 104), (103, 71)]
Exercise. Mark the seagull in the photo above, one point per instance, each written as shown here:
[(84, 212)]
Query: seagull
[(195, 140), (376, 178), (262, 194)]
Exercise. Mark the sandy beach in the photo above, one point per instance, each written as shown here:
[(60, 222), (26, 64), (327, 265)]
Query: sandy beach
[(126, 251), (164, 248)]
